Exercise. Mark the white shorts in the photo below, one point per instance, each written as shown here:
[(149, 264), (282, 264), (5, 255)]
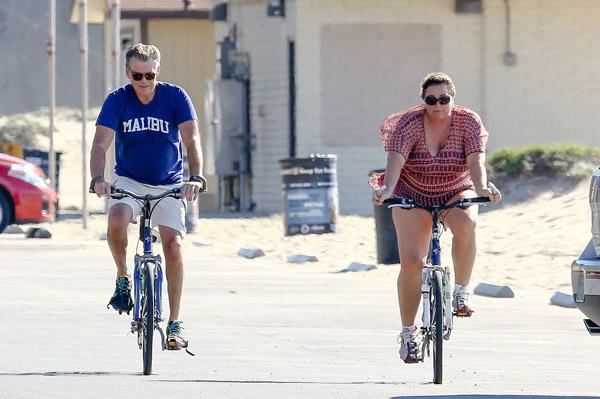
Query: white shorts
[(169, 212)]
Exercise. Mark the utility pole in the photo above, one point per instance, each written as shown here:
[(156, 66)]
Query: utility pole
[(51, 110), (115, 14), (83, 41)]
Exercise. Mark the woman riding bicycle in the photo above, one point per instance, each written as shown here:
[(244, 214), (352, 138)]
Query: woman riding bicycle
[(435, 155)]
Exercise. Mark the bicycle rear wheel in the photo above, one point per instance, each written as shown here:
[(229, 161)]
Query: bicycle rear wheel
[(437, 324), (147, 319)]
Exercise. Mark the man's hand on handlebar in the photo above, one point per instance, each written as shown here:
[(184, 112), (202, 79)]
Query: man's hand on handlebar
[(99, 186), (492, 192), (193, 187)]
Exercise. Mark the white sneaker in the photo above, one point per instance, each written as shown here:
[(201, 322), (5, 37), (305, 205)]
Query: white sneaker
[(410, 345), (460, 303)]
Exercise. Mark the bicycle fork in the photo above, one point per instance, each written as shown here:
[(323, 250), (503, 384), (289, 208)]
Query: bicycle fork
[(140, 263), (426, 278)]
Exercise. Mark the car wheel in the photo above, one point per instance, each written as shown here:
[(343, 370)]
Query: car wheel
[(5, 212)]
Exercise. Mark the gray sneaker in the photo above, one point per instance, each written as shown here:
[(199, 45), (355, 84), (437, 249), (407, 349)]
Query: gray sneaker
[(410, 346)]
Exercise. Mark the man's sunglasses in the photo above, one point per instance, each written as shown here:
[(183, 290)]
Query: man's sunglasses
[(431, 100), (139, 75)]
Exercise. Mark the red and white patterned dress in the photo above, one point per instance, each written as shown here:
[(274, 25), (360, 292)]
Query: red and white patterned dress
[(426, 178)]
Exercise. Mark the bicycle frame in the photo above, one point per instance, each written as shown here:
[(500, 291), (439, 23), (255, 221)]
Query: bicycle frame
[(148, 259), (433, 271), (434, 262)]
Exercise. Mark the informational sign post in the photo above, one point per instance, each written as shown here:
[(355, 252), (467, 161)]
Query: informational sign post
[(310, 196)]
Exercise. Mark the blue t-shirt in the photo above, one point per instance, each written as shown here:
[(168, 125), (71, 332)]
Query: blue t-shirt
[(147, 142)]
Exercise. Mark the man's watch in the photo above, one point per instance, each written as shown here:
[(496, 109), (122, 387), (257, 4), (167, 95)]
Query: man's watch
[(199, 179), (95, 179)]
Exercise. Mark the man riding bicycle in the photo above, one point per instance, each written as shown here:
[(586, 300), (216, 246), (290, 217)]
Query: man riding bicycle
[(149, 121)]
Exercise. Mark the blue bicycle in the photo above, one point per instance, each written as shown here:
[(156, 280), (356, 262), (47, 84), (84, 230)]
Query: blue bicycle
[(147, 277), (436, 286)]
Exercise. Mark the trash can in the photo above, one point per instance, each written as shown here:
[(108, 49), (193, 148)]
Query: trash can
[(40, 158), (310, 196), (385, 232)]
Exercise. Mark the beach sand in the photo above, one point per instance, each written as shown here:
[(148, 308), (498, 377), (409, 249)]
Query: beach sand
[(528, 242)]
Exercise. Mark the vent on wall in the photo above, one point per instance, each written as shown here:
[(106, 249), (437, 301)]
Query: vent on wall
[(468, 6), (276, 8)]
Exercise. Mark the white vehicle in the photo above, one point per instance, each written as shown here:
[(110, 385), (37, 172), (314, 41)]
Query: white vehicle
[(585, 271)]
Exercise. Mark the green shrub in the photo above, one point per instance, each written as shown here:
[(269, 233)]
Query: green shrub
[(570, 160), (20, 130)]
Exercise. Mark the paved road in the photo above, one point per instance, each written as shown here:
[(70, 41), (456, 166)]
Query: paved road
[(262, 329)]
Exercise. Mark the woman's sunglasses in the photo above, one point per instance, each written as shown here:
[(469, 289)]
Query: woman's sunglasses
[(431, 100), (139, 75)]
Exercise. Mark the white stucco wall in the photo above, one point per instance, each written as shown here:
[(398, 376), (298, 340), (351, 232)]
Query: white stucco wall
[(547, 96), (460, 57), (266, 39)]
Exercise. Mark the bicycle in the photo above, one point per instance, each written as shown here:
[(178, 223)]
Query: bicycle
[(147, 278), (436, 286)]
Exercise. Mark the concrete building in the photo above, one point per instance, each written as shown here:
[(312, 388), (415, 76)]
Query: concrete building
[(24, 68), (341, 66)]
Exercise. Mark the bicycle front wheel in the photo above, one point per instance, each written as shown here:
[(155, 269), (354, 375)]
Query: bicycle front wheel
[(147, 319), (437, 324)]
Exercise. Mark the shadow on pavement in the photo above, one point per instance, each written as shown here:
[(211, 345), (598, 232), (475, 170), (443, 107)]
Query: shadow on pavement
[(494, 397), (289, 382), (64, 373)]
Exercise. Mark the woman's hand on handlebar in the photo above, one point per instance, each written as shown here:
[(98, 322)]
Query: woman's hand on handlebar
[(492, 192), (381, 195)]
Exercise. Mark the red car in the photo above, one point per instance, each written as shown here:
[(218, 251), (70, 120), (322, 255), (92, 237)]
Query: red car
[(25, 195)]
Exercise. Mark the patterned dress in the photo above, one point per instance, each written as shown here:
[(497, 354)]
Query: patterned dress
[(426, 178)]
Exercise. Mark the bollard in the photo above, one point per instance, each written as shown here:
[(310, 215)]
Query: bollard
[(191, 216), (385, 233)]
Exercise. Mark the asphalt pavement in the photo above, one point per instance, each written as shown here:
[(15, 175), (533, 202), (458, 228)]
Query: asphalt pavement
[(263, 329)]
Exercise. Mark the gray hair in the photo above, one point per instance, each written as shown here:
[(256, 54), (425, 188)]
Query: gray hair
[(143, 52)]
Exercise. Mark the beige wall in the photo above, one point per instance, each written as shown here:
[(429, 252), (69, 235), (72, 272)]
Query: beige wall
[(546, 97), (188, 59), (266, 39), (456, 39)]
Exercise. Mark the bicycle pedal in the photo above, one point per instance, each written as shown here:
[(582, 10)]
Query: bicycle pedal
[(459, 313), (172, 346)]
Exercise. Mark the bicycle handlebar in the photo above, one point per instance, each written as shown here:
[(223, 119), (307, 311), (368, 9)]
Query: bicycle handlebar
[(406, 203), (119, 193)]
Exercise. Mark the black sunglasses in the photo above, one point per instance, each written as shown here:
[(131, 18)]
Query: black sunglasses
[(139, 75), (431, 100)]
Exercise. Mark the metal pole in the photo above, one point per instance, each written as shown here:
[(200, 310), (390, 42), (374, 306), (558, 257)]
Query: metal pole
[(83, 40), (116, 19), (52, 69), (115, 15), (108, 52)]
